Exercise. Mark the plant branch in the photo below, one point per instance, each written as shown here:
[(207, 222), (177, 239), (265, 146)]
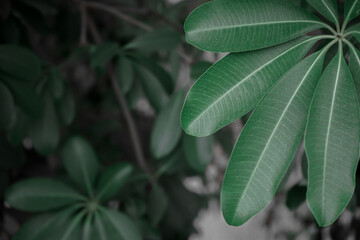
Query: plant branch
[(118, 14), (134, 136)]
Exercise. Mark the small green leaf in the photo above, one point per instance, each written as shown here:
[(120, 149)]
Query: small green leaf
[(234, 85), (328, 8), (45, 132), (81, 162), (159, 39), (167, 131), (198, 151), (332, 142), (103, 54), (124, 73), (268, 142), (65, 108), (158, 203), (118, 226), (7, 108), (153, 90), (199, 68), (41, 194), (295, 197), (112, 179), (158, 71), (19, 62), (56, 83), (242, 25), (25, 95)]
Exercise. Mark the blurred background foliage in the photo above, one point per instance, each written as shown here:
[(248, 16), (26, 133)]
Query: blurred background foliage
[(93, 90)]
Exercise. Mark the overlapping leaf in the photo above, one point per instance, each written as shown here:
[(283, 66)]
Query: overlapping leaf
[(331, 142), (234, 85), (268, 142)]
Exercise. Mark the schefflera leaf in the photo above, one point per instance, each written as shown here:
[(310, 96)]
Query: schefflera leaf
[(352, 9), (268, 142), (331, 142), (235, 84), (80, 162), (243, 25), (328, 8), (167, 131), (41, 194), (112, 179)]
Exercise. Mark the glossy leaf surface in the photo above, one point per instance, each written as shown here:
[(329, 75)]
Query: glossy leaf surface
[(234, 85), (242, 25), (268, 142), (331, 143)]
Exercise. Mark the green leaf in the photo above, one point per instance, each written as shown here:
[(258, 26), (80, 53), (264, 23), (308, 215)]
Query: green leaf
[(242, 25), (352, 9), (159, 39), (19, 129), (103, 54), (354, 65), (80, 162), (56, 82), (158, 203), (41, 194), (234, 85), (7, 108), (118, 226), (199, 68), (167, 131), (332, 142), (295, 197), (268, 142), (153, 90), (112, 179), (354, 31), (19, 62), (25, 95), (66, 108), (45, 132), (328, 8), (124, 73), (158, 71), (198, 151)]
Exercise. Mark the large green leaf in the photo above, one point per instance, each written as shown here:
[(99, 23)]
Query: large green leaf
[(234, 85), (112, 179), (45, 132), (352, 9), (81, 162), (118, 226), (354, 65), (19, 62), (242, 25), (295, 197), (7, 108), (41, 194), (332, 142), (268, 142), (153, 90), (159, 39), (198, 151), (328, 8), (167, 131)]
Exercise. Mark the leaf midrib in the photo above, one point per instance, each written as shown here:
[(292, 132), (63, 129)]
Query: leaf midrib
[(275, 129), (247, 78), (327, 136), (255, 24), (331, 12), (350, 12)]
